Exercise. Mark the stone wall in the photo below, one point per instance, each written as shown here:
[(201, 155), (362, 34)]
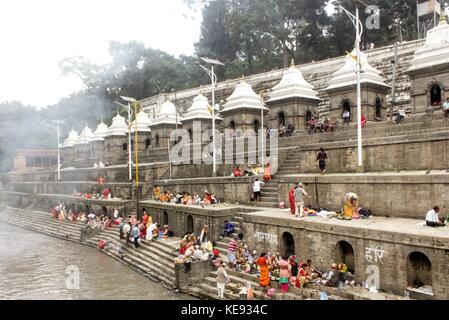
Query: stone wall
[(387, 195), (321, 242), (197, 273), (188, 219)]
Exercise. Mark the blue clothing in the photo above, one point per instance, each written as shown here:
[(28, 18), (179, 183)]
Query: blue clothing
[(136, 232)]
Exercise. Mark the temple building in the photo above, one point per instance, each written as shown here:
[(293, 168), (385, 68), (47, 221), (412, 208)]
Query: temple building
[(116, 139), (429, 71), (97, 142), (142, 124), (199, 112), (82, 148), (68, 151), (342, 90), (166, 121), (243, 109), (292, 101)]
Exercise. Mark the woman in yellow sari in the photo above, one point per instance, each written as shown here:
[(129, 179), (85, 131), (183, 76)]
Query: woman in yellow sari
[(264, 279), (351, 206)]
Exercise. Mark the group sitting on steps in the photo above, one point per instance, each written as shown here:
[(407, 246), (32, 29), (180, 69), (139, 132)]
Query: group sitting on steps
[(184, 198)]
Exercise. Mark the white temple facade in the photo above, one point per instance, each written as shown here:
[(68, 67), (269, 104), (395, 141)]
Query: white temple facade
[(292, 101), (342, 90), (429, 70), (243, 109)]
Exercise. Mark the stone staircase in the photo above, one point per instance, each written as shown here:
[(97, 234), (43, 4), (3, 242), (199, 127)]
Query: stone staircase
[(155, 260), (269, 198)]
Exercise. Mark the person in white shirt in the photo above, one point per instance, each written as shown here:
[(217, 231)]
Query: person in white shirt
[(257, 186), (432, 218), (446, 108), (346, 117)]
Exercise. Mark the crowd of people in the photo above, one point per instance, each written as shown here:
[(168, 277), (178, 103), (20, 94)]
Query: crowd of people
[(134, 230), (185, 198), (257, 171), (288, 271)]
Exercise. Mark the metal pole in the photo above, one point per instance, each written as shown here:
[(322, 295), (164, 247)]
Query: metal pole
[(393, 89), (263, 131), (213, 123), (359, 96), (417, 19), (129, 143), (136, 143), (176, 117), (59, 154)]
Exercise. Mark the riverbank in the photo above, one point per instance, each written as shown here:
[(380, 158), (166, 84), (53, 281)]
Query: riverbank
[(36, 266), (155, 261)]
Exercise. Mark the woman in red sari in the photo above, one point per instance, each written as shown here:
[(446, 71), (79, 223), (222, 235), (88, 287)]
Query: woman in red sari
[(291, 200), (264, 279)]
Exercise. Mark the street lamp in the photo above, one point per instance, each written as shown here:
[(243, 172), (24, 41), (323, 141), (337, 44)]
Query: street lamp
[(57, 126), (213, 78), (359, 31), (136, 146)]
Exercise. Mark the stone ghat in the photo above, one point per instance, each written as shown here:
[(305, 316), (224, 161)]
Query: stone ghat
[(154, 260), (398, 195), (389, 194), (47, 201), (399, 250), (119, 190), (271, 230), (317, 73)]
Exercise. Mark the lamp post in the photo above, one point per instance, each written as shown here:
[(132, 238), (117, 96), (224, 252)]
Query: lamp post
[(57, 126), (213, 78), (359, 31), (136, 146)]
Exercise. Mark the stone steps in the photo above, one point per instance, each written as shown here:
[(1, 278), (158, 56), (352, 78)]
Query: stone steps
[(148, 260)]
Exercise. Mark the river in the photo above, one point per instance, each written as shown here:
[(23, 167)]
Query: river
[(35, 266)]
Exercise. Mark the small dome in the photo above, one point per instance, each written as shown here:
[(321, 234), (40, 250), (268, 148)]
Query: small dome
[(200, 109), (293, 85), (71, 139), (85, 136), (118, 127), (243, 98), (143, 122), (167, 115), (436, 49), (347, 75), (101, 132)]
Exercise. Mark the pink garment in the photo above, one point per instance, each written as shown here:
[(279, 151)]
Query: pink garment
[(285, 267)]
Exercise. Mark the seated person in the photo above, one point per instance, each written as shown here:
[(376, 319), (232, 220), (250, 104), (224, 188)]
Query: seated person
[(258, 170), (302, 277), (228, 229), (207, 198), (326, 125), (346, 117), (332, 279), (289, 131), (432, 218), (281, 131), (178, 199), (312, 125), (238, 172), (333, 124), (187, 200), (249, 172), (401, 115), (196, 199), (311, 271)]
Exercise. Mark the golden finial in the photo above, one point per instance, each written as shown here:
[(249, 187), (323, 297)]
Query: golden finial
[(443, 19)]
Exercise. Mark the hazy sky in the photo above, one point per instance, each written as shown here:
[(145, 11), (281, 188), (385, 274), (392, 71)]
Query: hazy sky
[(36, 34)]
